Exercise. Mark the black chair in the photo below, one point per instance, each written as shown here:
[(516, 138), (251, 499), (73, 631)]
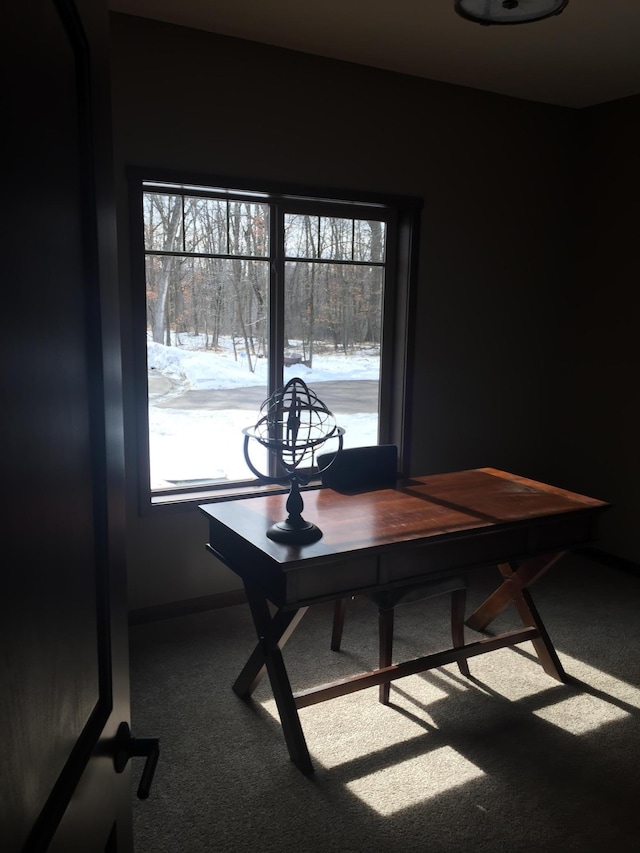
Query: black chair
[(363, 469)]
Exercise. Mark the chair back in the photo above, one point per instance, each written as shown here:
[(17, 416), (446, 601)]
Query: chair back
[(360, 468)]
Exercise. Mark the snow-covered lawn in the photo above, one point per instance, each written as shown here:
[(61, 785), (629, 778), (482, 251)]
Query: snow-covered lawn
[(192, 445)]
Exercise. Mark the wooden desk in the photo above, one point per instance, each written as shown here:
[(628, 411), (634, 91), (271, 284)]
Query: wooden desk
[(426, 527)]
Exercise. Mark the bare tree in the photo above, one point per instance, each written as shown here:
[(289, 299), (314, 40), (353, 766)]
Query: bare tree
[(164, 228), (207, 274)]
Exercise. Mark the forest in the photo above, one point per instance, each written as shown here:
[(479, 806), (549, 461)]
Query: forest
[(212, 263)]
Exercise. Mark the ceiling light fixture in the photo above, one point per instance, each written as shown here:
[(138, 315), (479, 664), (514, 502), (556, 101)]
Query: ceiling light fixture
[(488, 12)]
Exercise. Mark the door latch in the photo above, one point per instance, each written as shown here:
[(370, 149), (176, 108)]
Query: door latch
[(127, 746)]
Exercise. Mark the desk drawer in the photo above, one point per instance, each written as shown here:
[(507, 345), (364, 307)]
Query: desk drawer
[(329, 579), (489, 549), (562, 533)]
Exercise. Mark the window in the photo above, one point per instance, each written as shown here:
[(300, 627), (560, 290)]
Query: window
[(240, 288)]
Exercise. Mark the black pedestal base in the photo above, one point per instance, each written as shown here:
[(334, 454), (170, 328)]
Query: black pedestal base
[(295, 534)]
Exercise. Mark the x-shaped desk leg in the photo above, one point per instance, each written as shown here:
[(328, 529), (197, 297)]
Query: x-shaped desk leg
[(514, 589), (273, 633)]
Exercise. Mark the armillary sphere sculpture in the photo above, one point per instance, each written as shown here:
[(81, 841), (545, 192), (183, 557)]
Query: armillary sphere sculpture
[(294, 424)]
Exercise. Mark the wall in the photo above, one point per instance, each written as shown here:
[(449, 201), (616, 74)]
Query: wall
[(604, 412), (497, 276)]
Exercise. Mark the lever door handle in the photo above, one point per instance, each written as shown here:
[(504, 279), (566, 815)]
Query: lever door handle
[(126, 746)]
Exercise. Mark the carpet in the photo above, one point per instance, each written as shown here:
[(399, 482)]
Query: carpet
[(509, 760)]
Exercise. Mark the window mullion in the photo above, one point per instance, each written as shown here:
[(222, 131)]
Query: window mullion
[(184, 229), (276, 306)]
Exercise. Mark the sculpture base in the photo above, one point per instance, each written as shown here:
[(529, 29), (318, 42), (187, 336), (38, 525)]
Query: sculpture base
[(294, 534)]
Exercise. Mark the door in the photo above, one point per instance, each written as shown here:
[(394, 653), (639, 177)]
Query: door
[(64, 654)]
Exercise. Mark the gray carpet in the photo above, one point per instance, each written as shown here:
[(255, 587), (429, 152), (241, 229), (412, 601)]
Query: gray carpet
[(508, 761)]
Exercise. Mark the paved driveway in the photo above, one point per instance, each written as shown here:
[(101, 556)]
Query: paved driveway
[(345, 397)]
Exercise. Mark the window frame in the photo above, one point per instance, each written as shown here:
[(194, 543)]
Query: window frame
[(402, 215)]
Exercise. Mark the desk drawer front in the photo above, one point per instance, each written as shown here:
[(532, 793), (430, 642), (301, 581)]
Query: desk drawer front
[(562, 532), (330, 578), (489, 549)]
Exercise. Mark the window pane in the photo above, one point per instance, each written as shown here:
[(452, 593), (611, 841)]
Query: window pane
[(207, 366), (333, 324), (333, 238), (162, 222), (211, 226), (301, 235), (369, 240), (248, 229), (336, 238), (206, 225)]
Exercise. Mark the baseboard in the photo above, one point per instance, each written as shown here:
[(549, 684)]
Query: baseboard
[(186, 606), (612, 560)]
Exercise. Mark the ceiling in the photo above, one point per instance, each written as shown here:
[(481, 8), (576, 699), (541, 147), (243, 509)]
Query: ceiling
[(587, 55)]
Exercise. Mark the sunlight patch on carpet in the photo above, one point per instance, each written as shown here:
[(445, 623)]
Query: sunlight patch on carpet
[(513, 673), (345, 729), (619, 690), (414, 781), (585, 713), (581, 714)]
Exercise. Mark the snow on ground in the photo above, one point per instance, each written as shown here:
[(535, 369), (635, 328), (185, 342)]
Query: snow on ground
[(203, 445)]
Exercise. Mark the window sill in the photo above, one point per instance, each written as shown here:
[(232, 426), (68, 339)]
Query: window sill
[(187, 501)]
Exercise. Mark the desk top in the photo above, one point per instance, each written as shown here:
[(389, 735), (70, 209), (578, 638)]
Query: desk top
[(425, 510)]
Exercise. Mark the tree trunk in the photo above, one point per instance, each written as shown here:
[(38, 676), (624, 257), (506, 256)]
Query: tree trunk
[(159, 306)]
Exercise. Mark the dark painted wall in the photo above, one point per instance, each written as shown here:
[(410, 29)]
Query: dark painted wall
[(503, 326), (604, 362)]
